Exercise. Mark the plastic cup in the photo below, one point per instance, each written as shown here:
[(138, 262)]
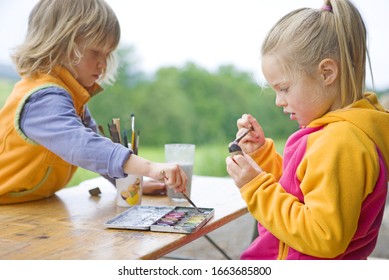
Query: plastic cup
[(183, 155)]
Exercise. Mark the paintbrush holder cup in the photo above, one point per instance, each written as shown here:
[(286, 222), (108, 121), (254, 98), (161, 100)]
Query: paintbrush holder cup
[(129, 190)]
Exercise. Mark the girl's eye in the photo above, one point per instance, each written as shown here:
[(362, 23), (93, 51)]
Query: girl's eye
[(284, 89)]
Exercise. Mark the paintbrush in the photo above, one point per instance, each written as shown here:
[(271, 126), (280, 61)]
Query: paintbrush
[(163, 173), (101, 129), (136, 148), (132, 131), (116, 121), (234, 148), (240, 137), (114, 133), (125, 140), (191, 202)]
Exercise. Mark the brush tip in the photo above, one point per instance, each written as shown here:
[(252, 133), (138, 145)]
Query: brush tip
[(234, 147)]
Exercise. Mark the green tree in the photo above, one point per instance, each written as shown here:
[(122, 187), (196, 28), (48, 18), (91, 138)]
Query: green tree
[(188, 104)]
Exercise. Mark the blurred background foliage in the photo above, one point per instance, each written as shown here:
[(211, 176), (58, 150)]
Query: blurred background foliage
[(187, 104)]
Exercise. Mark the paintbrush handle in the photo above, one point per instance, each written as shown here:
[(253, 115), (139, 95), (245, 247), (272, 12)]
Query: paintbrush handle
[(116, 121), (243, 135), (114, 133), (184, 194), (191, 202)]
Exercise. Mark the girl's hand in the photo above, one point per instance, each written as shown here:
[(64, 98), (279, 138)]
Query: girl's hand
[(173, 176), (255, 139), (242, 169)]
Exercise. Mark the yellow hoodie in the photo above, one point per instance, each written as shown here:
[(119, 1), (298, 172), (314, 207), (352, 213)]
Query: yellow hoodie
[(328, 199)]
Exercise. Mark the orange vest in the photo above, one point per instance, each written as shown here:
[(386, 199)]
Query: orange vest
[(29, 171)]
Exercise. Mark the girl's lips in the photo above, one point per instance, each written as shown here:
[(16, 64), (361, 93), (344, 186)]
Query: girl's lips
[(292, 116)]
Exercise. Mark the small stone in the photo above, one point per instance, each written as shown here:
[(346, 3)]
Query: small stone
[(95, 191)]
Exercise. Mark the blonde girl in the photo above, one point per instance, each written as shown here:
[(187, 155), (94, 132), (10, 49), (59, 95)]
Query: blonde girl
[(324, 199)]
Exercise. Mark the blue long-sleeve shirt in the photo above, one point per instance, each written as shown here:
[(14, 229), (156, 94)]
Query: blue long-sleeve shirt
[(49, 118)]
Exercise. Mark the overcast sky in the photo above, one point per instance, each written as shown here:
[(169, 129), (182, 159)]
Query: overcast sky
[(207, 32)]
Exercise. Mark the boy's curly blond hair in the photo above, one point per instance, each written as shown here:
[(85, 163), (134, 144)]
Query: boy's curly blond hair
[(56, 29)]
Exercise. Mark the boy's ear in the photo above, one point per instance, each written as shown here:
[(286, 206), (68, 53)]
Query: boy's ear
[(328, 69)]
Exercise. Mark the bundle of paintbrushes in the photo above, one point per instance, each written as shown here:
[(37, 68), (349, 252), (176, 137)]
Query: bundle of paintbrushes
[(119, 136)]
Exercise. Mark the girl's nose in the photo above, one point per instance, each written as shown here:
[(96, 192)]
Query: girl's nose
[(280, 102)]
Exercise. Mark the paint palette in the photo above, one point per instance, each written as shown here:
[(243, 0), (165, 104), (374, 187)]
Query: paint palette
[(162, 218)]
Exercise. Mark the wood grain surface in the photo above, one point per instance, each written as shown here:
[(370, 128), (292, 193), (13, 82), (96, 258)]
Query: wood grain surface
[(70, 225)]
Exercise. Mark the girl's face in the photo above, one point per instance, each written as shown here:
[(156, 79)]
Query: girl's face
[(91, 65), (301, 96)]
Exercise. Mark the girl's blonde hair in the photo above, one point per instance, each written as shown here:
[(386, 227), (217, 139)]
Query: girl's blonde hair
[(304, 37), (56, 28)]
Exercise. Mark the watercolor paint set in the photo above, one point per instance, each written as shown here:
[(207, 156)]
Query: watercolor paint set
[(162, 218)]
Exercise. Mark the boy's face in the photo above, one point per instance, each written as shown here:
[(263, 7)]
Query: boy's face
[(302, 96), (91, 65)]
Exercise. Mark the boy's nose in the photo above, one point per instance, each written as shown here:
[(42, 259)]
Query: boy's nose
[(102, 63)]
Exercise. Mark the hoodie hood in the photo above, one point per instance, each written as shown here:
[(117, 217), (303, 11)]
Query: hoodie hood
[(369, 116)]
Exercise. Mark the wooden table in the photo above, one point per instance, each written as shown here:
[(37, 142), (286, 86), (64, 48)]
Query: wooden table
[(70, 225)]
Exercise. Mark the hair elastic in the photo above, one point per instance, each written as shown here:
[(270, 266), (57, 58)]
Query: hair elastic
[(327, 8)]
